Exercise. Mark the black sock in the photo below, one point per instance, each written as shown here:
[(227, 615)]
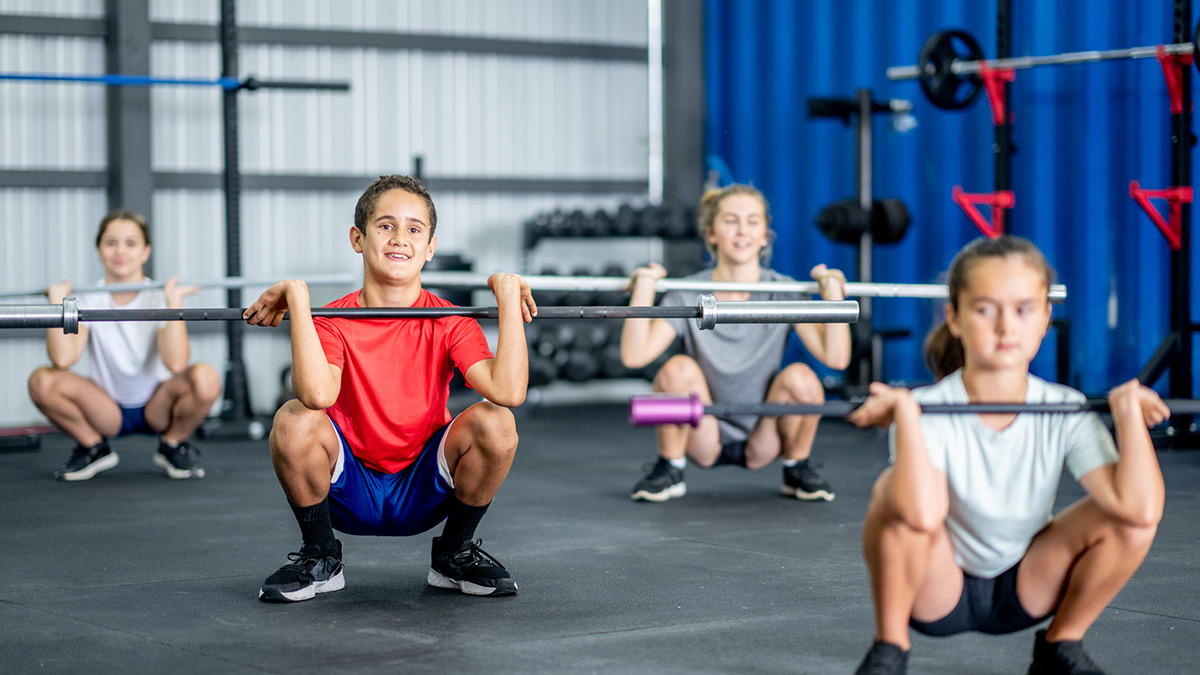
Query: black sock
[(315, 526), (461, 524)]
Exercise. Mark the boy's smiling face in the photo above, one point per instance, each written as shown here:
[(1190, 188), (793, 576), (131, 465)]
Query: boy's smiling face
[(397, 241)]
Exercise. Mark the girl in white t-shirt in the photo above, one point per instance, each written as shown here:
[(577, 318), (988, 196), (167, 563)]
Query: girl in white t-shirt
[(140, 379), (960, 534)]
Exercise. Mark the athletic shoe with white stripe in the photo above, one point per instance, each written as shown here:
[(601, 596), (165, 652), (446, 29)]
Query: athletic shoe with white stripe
[(87, 462), (310, 571), (803, 482), (180, 461), (663, 481), (469, 569)]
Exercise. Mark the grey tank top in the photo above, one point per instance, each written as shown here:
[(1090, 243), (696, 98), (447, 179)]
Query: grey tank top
[(739, 360)]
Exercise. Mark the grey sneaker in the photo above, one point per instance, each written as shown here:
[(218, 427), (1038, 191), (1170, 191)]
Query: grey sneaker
[(661, 483), (179, 462), (87, 462), (803, 482), (308, 572)]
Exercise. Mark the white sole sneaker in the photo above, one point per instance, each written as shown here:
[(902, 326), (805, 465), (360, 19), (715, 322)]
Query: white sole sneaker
[(178, 474), (334, 583), (86, 473), (439, 580), (676, 490), (807, 496)]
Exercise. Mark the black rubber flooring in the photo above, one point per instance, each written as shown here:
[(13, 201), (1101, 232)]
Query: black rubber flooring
[(135, 573)]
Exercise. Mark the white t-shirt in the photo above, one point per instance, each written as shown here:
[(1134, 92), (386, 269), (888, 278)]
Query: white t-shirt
[(124, 354), (1003, 483)]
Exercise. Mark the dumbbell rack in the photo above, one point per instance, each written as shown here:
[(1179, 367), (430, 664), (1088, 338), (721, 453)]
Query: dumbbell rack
[(867, 359), (579, 353)]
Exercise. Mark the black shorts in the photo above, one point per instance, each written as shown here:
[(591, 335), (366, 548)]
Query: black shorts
[(985, 606)]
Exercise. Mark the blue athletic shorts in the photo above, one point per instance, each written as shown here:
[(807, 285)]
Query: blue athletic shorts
[(133, 421), (985, 606), (367, 502)]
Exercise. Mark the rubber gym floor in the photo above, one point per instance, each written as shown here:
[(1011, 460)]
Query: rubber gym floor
[(134, 573)]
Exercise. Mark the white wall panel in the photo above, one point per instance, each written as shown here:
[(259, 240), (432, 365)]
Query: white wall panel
[(607, 22), (76, 9), (185, 132), (48, 235), (51, 125)]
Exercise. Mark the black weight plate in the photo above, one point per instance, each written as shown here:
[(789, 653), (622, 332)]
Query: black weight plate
[(941, 85)]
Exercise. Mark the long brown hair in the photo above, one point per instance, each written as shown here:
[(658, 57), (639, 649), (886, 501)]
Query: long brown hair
[(944, 352)]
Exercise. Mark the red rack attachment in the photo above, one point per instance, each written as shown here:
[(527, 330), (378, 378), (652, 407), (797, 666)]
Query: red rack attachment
[(1172, 67), (1176, 197), (1003, 199), (996, 80)]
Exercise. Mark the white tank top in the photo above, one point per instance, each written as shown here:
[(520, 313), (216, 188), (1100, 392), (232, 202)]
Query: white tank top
[(124, 354)]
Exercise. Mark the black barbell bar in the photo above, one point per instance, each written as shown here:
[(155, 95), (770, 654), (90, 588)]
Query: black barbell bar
[(708, 312), (655, 409)]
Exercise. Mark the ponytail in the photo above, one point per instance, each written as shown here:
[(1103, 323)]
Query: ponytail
[(943, 352)]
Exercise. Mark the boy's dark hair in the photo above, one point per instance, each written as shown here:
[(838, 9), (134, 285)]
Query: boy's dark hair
[(383, 184), (944, 352), (123, 214)]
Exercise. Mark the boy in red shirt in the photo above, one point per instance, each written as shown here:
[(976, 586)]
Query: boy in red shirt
[(368, 445)]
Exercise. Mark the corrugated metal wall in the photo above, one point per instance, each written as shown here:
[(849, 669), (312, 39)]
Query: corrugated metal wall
[(467, 115), (1082, 133)]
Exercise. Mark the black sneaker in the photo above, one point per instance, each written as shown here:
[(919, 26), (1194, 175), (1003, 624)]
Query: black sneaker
[(310, 571), (470, 570), (803, 482), (883, 658), (663, 482), (87, 462), (1061, 658), (179, 461)]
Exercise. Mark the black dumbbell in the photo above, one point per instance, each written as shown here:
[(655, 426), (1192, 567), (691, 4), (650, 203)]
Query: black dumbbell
[(675, 224), (581, 365), (577, 224), (602, 224), (611, 365), (649, 223), (542, 370), (556, 224), (844, 221), (625, 221)]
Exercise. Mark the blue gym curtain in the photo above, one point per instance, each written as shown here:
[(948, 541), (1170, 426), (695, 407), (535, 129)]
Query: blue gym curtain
[(1082, 133)]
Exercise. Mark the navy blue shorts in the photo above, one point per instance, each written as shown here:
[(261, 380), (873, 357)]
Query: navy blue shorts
[(133, 421), (368, 502), (985, 606)]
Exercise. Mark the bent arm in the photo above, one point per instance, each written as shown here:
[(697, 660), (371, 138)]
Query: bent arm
[(919, 493), (504, 380), (1131, 490), (642, 340), (64, 350)]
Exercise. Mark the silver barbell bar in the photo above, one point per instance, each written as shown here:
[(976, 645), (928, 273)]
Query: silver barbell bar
[(1025, 62), (708, 312), (470, 280)]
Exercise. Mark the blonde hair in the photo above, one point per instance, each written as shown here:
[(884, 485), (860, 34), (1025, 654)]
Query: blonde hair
[(943, 352), (710, 204)]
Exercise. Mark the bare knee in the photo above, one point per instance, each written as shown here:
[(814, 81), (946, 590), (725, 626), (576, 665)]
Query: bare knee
[(799, 383), (493, 429), (41, 384), (680, 374), (204, 382), (294, 428)]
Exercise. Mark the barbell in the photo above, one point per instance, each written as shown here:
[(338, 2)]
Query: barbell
[(655, 409), (469, 280), (708, 312), (118, 80), (950, 59)]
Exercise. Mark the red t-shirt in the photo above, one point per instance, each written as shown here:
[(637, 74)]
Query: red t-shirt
[(396, 377)]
